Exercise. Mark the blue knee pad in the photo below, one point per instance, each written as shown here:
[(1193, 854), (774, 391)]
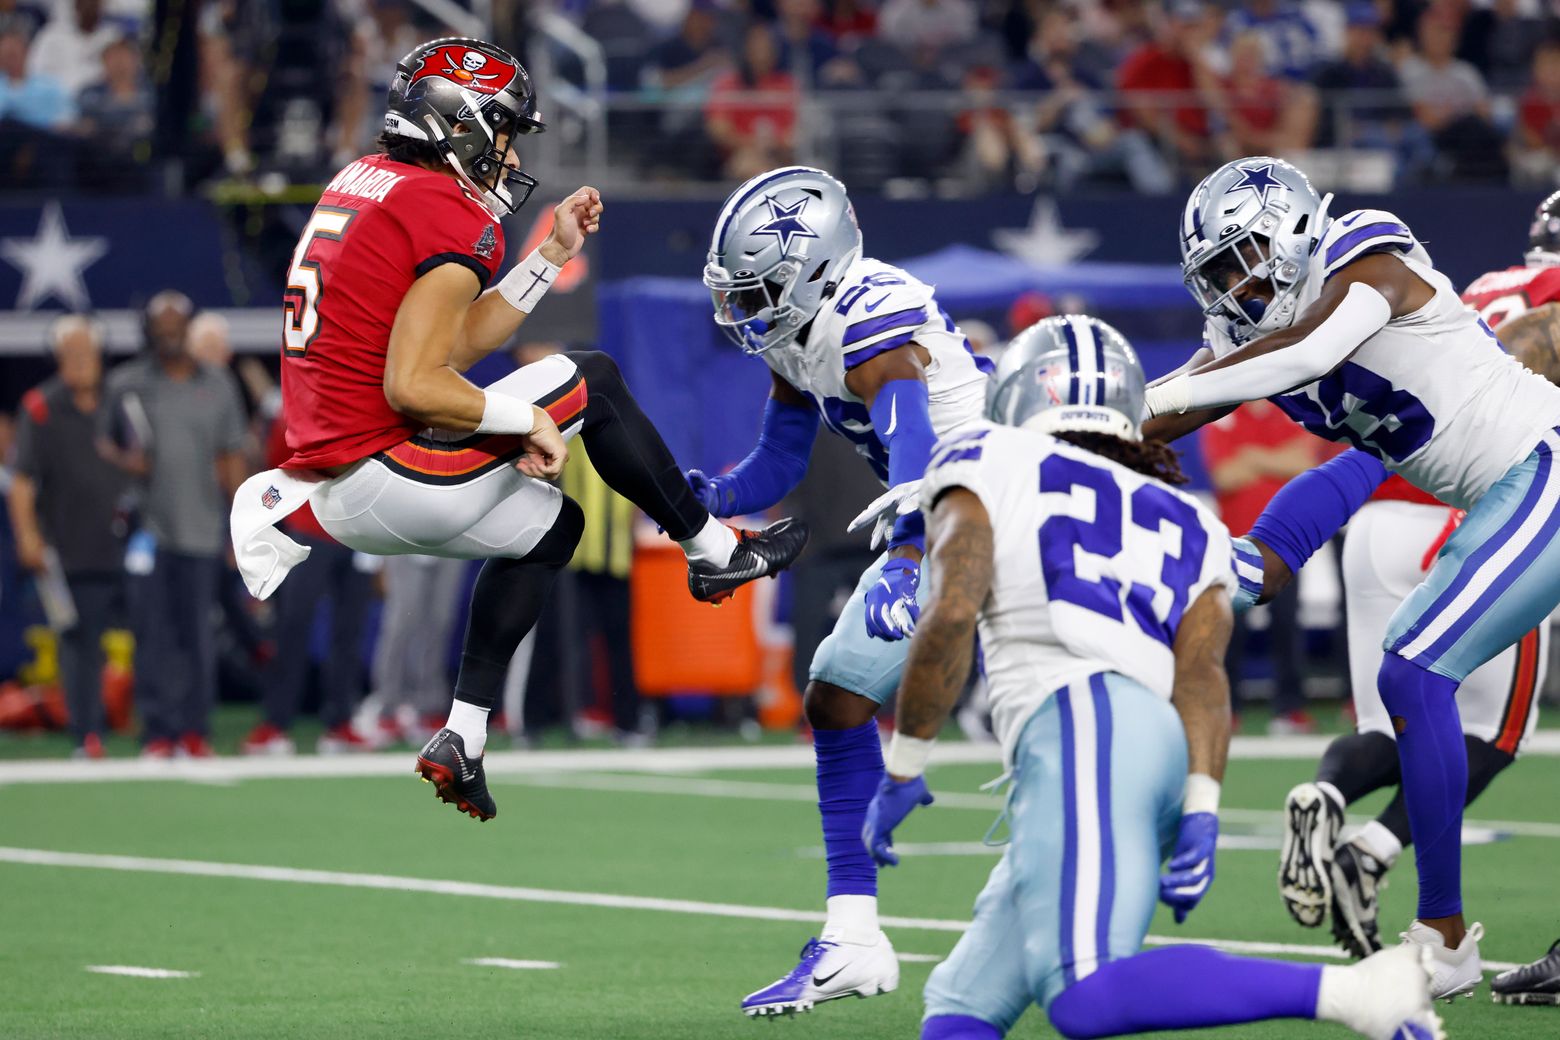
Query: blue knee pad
[(853, 660)]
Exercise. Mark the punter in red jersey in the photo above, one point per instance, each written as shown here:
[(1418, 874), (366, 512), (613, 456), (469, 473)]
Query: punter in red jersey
[(393, 292)]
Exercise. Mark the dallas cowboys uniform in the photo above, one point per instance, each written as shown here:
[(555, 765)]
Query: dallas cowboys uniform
[(877, 308)]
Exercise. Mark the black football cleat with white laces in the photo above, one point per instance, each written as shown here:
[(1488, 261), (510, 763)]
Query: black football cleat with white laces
[(759, 554), (458, 778), (1536, 983), (1357, 880)]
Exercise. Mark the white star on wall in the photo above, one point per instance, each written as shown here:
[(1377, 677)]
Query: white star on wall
[(52, 262), (1045, 243)]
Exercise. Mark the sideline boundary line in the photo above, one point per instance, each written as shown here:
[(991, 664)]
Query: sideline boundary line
[(528, 763), (556, 897)]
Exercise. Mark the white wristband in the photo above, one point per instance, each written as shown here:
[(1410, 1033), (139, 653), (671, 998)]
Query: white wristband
[(505, 414), (528, 282), (1173, 395), (1202, 795), (907, 756)]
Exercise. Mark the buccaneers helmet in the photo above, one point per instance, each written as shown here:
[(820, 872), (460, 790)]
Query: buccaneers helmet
[(1544, 234), (460, 95)]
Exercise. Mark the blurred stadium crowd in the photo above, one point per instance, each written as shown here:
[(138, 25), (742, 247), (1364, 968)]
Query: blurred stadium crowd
[(964, 94)]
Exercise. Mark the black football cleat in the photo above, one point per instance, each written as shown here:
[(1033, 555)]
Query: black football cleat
[(458, 779), (1357, 880), (1536, 983), (759, 554)]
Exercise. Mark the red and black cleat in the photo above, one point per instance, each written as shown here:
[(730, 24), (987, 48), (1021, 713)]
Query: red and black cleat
[(458, 779), (759, 554)]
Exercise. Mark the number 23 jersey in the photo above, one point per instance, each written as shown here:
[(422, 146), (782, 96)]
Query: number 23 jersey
[(1093, 565), (379, 226), (1433, 394)]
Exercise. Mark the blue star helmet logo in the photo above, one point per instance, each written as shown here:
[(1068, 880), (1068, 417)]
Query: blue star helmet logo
[(785, 222), (1259, 179)]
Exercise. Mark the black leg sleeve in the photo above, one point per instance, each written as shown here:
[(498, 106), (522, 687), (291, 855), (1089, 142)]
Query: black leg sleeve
[(1359, 763), (628, 451), (507, 600), (1485, 761)]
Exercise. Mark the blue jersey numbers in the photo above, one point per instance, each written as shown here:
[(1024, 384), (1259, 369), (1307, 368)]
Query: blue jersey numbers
[(1397, 425), (1064, 538)]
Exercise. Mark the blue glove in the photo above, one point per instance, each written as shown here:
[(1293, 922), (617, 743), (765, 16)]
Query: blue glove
[(889, 807), (1190, 871), (713, 493), (891, 607)]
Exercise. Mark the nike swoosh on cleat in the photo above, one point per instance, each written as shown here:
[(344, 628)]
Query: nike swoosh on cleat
[(816, 981)]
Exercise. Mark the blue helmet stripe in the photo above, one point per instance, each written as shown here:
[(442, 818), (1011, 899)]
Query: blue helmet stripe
[(1073, 389)]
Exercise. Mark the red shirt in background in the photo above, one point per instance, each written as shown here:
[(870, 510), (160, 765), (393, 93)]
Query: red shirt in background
[(1541, 116), (1254, 424), (1152, 70), (746, 116)]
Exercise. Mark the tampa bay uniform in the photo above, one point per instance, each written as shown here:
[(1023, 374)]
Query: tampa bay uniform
[(877, 307), (1437, 399), (1094, 566)]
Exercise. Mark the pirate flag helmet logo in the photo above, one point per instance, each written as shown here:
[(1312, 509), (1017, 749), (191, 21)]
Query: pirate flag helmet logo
[(469, 99)]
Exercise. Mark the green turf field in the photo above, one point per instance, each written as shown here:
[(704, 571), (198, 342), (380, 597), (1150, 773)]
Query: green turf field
[(277, 957)]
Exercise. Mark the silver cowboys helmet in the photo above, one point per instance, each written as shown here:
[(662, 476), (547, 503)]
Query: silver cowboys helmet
[(1072, 373), (781, 244), (1251, 220)]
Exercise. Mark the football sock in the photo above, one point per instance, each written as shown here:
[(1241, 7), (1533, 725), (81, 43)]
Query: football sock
[(470, 722), (1380, 842), (1485, 761), (852, 919), (714, 543), (629, 454), (1356, 764), (1183, 987), (850, 764), (958, 1027), (508, 598), (1435, 777)]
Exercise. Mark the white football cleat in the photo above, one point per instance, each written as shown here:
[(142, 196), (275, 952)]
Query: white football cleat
[(1311, 824), (1455, 973), (1386, 996), (829, 969)]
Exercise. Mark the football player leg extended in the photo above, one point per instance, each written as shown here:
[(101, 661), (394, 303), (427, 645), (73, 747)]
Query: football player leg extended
[(863, 346), (473, 484), (1346, 325), (1112, 705)]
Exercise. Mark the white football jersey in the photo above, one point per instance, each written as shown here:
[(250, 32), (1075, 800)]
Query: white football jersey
[(876, 308), (1433, 394), (1094, 565)]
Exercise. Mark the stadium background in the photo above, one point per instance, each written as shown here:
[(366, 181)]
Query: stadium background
[(1028, 157)]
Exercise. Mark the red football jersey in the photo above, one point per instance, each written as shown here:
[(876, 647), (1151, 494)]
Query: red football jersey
[(1505, 294), (379, 227)]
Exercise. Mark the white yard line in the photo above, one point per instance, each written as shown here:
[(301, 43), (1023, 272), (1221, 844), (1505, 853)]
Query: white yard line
[(433, 886), (525, 763), (140, 973), (505, 962)]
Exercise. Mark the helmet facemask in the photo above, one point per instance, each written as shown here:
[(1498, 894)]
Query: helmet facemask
[(755, 310), (473, 152), (1218, 280)]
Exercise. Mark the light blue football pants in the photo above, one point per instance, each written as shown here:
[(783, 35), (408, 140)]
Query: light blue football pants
[(1098, 777), (1496, 579), (852, 659)]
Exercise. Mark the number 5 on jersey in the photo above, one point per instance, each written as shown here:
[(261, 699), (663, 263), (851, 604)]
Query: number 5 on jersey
[(305, 286)]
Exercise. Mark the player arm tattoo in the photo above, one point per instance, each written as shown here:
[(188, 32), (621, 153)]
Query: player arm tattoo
[(1534, 339), (959, 541), (1201, 693)]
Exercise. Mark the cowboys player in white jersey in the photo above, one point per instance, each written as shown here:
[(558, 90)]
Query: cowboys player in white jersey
[(863, 346), (1346, 325), (1102, 600)]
